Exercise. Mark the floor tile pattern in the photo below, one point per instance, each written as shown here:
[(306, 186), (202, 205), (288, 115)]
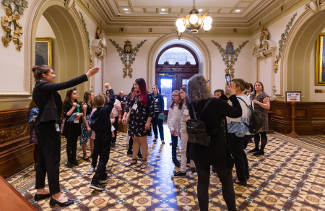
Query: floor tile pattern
[(288, 177)]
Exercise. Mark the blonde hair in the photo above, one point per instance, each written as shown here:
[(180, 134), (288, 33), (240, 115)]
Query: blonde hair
[(175, 92)]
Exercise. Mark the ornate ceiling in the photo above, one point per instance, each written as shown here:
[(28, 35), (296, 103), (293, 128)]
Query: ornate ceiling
[(158, 16)]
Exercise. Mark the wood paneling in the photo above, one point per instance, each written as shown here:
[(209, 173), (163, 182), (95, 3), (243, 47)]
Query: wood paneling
[(310, 117), (10, 199), (16, 151)]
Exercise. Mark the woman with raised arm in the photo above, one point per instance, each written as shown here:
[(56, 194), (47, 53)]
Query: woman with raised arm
[(48, 122), (212, 112)]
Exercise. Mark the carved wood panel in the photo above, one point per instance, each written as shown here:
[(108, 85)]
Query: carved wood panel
[(15, 147)]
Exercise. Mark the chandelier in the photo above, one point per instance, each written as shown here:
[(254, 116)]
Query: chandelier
[(194, 21)]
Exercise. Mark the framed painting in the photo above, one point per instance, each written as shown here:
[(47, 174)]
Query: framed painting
[(43, 51), (320, 61)]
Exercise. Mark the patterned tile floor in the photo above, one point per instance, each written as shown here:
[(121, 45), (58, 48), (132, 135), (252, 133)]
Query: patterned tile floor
[(288, 177)]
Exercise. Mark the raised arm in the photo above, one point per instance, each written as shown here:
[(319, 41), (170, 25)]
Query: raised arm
[(70, 83), (235, 110)]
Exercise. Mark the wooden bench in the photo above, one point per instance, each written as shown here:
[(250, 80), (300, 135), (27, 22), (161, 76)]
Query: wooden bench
[(11, 199)]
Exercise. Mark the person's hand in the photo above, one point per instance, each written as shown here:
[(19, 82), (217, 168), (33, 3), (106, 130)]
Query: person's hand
[(230, 89), (84, 107), (161, 114), (187, 118), (74, 104), (147, 126), (119, 120), (92, 71), (172, 132), (34, 118), (124, 121), (88, 129)]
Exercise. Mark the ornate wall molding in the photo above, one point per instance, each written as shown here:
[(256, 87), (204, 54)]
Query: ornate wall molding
[(127, 55), (230, 55), (11, 26), (284, 35)]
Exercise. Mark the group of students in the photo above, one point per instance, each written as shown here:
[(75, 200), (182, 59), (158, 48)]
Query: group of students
[(93, 119)]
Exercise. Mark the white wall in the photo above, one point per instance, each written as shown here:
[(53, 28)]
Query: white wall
[(113, 65)]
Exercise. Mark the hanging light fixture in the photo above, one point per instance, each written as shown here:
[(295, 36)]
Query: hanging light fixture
[(194, 21)]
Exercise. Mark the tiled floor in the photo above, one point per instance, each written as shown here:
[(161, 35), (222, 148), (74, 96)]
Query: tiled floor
[(288, 177)]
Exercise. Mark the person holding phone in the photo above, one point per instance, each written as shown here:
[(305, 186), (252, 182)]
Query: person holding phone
[(48, 100)]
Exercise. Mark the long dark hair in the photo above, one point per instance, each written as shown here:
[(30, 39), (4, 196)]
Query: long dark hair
[(86, 98), (184, 89), (143, 90), (69, 95), (39, 70), (254, 93)]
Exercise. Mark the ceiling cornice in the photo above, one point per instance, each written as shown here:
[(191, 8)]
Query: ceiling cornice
[(112, 22)]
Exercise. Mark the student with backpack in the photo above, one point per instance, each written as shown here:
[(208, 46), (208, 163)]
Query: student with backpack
[(212, 112), (100, 123), (238, 133)]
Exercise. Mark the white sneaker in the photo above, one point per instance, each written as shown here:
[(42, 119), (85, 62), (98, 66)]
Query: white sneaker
[(90, 171)]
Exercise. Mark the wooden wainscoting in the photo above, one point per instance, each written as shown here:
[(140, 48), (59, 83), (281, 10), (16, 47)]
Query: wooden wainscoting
[(310, 117), (16, 151)]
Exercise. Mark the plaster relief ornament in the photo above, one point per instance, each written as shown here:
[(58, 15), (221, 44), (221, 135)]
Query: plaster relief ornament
[(229, 55), (264, 45), (127, 55), (99, 44), (9, 23)]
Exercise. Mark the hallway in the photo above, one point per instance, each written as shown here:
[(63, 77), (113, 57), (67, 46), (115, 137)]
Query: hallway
[(288, 177)]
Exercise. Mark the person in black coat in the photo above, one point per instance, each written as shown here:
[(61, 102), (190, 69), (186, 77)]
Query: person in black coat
[(47, 125), (100, 123), (217, 154), (157, 120)]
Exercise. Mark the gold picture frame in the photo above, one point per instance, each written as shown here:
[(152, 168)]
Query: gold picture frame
[(44, 51), (320, 61)]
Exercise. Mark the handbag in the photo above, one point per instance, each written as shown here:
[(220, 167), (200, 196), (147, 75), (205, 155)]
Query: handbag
[(196, 129)]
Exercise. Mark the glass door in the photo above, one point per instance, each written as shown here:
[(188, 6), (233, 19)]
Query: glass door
[(166, 85)]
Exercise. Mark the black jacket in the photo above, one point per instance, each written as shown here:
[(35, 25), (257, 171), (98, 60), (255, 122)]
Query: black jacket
[(100, 120), (160, 101), (48, 100), (214, 115)]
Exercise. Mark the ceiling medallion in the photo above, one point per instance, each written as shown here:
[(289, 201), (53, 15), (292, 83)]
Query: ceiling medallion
[(194, 21)]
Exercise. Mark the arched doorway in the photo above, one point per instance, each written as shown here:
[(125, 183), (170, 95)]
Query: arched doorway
[(175, 64), (70, 48)]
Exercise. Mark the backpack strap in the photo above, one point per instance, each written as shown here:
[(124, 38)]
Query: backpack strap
[(250, 107)]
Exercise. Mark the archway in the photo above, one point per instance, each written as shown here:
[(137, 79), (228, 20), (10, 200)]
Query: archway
[(298, 62), (192, 42), (70, 44), (175, 65)]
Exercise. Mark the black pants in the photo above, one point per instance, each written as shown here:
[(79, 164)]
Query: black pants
[(225, 176), (94, 156), (103, 147), (158, 122), (115, 124), (49, 146), (130, 145), (260, 137), (174, 147), (237, 146), (72, 148)]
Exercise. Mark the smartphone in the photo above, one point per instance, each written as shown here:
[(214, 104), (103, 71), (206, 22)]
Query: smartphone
[(228, 79)]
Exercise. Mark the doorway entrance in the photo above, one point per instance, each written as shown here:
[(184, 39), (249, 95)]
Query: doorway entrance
[(175, 65)]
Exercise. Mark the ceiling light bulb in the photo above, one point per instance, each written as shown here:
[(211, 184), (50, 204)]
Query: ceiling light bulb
[(207, 20), (181, 29), (237, 10), (200, 10), (163, 9), (194, 19), (207, 27), (126, 9), (179, 22)]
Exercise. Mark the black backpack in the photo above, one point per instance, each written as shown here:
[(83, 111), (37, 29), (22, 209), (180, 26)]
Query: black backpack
[(196, 129), (255, 124)]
